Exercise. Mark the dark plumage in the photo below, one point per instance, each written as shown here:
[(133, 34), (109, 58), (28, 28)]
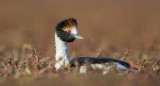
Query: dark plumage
[(100, 60), (64, 36)]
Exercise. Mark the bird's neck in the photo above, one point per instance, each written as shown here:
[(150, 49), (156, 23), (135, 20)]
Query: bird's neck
[(61, 56)]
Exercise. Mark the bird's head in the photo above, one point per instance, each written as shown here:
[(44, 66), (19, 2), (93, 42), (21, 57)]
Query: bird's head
[(66, 30)]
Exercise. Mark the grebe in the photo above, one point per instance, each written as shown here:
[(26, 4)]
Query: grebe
[(66, 32)]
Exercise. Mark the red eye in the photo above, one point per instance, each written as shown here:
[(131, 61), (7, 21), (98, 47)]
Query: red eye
[(68, 31)]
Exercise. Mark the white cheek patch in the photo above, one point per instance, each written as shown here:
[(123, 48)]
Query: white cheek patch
[(73, 30)]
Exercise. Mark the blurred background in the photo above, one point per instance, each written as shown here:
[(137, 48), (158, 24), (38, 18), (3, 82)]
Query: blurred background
[(124, 29), (108, 25)]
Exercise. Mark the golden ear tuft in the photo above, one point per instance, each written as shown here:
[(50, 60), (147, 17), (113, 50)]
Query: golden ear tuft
[(67, 23)]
